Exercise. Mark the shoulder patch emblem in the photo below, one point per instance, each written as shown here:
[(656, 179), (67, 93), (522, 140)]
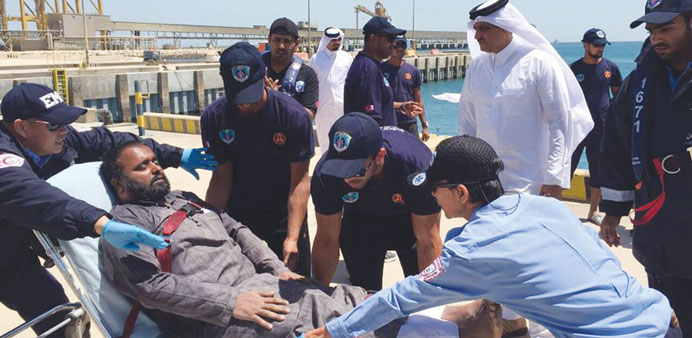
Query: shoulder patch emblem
[(434, 270), (351, 197), (369, 108), (397, 198), (10, 160), (607, 74), (580, 77), (279, 138), (227, 135), (418, 179), (240, 73), (408, 76), (341, 141), (300, 86)]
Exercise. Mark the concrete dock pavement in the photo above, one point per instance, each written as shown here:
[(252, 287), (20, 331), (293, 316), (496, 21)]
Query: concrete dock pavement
[(182, 180)]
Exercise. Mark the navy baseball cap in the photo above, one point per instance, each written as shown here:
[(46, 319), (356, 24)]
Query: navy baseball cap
[(284, 26), (242, 71), (662, 11), (379, 25), (32, 100), (354, 137), (596, 37)]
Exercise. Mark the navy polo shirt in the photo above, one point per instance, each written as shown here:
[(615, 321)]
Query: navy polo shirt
[(402, 80), (261, 148), (595, 81), (391, 194), (368, 91)]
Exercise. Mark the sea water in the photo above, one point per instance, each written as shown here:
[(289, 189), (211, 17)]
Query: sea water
[(442, 115)]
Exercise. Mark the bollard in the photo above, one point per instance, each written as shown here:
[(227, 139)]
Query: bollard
[(139, 108)]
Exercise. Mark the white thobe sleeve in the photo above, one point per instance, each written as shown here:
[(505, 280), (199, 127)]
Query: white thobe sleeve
[(466, 121), (554, 100)]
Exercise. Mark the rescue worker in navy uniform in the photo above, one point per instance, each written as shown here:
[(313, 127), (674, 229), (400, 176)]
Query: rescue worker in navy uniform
[(597, 77), (365, 205), (405, 80), (36, 142), (367, 89), (263, 141), (646, 155), (287, 72)]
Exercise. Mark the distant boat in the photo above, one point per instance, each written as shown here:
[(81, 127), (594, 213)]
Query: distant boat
[(555, 41)]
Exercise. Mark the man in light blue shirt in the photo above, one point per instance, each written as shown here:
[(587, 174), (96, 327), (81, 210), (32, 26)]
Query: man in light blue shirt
[(529, 253)]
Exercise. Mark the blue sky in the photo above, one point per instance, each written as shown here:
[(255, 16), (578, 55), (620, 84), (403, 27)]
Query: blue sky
[(565, 20)]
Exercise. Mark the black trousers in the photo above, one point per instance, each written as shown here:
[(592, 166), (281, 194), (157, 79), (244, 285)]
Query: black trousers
[(364, 241), (592, 143), (679, 293), (31, 290), (270, 226), (411, 127)]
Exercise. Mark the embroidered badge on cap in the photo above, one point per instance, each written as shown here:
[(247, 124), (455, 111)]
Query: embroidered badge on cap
[(653, 3), (369, 108), (351, 197), (600, 34), (300, 86), (607, 74), (397, 198), (341, 141), (279, 138), (51, 99), (240, 73), (418, 179), (227, 135), (10, 160), (580, 77), (434, 270), (408, 76)]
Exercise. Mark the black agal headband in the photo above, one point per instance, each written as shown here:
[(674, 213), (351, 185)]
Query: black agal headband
[(487, 8)]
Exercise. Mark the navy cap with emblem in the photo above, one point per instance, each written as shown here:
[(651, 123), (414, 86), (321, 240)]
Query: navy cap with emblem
[(242, 71), (658, 12), (380, 25), (354, 137), (596, 37), (32, 100)]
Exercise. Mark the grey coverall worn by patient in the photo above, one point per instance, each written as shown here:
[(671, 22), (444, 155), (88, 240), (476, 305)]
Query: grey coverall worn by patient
[(214, 258)]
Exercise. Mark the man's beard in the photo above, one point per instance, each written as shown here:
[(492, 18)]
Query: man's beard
[(152, 193), (596, 55)]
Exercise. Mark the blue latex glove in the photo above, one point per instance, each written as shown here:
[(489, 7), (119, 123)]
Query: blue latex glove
[(194, 159), (127, 237)]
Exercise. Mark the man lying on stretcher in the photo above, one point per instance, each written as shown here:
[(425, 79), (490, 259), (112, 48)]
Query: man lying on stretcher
[(223, 281)]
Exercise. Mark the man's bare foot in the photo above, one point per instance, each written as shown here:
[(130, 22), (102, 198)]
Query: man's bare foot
[(479, 319), (514, 328)]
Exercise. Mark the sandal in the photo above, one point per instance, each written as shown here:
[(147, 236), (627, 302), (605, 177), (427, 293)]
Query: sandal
[(596, 219)]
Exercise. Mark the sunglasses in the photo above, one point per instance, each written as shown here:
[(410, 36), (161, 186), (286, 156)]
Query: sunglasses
[(400, 45), (51, 127), (363, 170)]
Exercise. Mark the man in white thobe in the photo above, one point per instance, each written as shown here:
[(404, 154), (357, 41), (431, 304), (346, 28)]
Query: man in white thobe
[(520, 96), (331, 65)]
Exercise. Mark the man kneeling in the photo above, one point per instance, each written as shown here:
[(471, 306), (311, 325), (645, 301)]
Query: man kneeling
[(223, 280)]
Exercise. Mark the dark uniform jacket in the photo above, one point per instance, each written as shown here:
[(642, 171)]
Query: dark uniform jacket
[(27, 202), (214, 258), (654, 122)]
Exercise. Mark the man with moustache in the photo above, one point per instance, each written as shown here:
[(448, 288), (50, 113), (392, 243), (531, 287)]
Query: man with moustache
[(367, 90), (646, 157), (598, 77), (331, 65), (365, 205), (286, 72), (37, 142)]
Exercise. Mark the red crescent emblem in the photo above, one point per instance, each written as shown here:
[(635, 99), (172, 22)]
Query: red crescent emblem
[(397, 198), (279, 138), (408, 76), (607, 74)]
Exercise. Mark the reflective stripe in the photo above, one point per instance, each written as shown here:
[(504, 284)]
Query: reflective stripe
[(617, 195)]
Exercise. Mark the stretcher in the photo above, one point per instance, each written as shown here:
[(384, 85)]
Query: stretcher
[(104, 304)]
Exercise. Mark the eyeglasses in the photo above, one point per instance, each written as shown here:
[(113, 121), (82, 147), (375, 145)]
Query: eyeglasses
[(51, 127), (363, 170), (434, 187)]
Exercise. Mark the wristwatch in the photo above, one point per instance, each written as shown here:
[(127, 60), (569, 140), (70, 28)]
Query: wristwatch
[(424, 124)]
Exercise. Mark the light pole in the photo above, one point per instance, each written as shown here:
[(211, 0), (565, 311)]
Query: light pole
[(86, 38), (309, 34), (413, 29)]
